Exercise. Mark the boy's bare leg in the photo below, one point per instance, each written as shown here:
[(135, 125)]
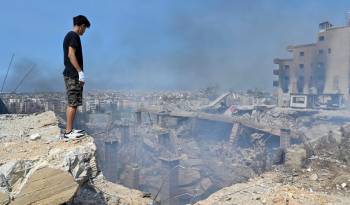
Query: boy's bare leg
[(71, 110)]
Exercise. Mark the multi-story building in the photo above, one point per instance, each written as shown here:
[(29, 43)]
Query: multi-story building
[(317, 74)]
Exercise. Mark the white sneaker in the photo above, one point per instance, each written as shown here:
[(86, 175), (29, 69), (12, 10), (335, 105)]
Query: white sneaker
[(72, 135), (77, 131)]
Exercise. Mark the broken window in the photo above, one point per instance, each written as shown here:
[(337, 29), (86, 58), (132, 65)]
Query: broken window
[(285, 84), (319, 75), (301, 70), (300, 84)]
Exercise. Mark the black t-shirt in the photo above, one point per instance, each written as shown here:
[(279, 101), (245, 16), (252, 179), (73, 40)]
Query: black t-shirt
[(72, 39)]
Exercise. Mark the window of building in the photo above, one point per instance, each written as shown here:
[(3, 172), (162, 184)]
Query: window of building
[(298, 99), (321, 38), (300, 84), (301, 53), (301, 66), (320, 52), (329, 50), (286, 67), (301, 71), (285, 84)]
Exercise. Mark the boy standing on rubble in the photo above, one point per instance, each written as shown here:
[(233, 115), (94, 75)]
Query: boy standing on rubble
[(73, 73)]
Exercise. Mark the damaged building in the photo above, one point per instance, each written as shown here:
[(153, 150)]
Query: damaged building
[(317, 74)]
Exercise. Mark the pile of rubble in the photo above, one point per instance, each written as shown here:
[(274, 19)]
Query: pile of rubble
[(207, 161), (211, 158), (268, 189), (37, 167), (321, 177)]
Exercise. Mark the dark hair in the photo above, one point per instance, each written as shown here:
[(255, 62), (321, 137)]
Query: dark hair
[(80, 20)]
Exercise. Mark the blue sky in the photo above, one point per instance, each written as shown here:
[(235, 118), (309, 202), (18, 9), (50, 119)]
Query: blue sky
[(159, 44)]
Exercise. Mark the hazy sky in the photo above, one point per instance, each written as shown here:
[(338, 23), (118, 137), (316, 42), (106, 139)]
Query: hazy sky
[(159, 44)]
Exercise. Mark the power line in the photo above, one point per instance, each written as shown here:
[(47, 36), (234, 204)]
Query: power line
[(24, 77), (8, 69)]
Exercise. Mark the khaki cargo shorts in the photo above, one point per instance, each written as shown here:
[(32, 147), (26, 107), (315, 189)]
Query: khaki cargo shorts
[(74, 91)]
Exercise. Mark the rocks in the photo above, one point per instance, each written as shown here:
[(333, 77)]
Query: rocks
[(20, 126), (342, 181), (35, 136), (13, 173), (268, 190), (3, 183), (40, 184), (4, 198), (4, 190), (115, 194), (53, 178), (295, 157), (80, 164), (47, 186), (89, 195), (34, 172), (313, 177)]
